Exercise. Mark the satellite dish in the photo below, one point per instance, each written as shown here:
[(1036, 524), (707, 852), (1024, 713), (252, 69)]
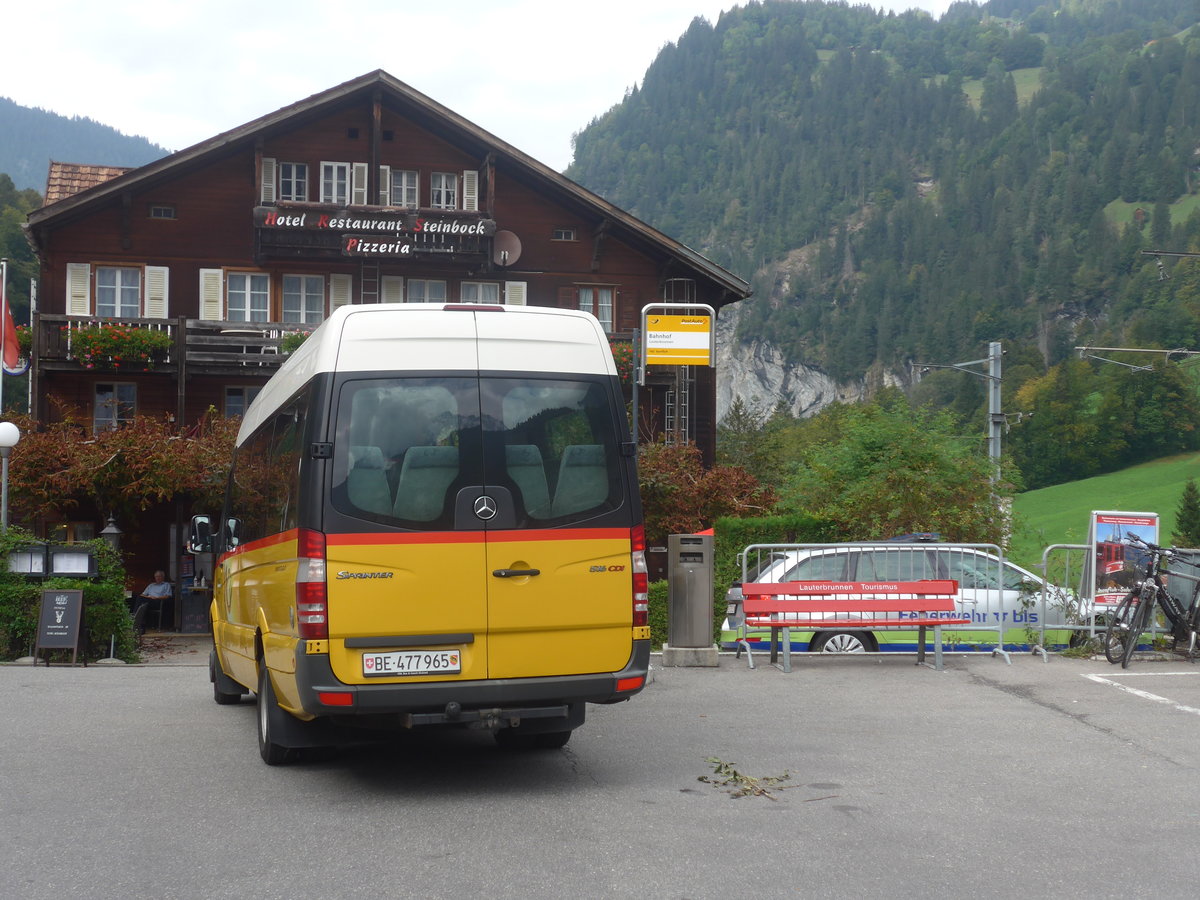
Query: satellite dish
[(506, 248)]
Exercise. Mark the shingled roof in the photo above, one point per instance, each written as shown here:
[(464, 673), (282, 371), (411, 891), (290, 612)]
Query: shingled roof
[(68, 179), (446, 123)]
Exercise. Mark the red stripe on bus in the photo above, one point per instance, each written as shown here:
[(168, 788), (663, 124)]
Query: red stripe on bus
[(472, 537)]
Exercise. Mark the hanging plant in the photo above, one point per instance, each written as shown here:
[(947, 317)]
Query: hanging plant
[(24, 340), (119, 346), (291, 340)]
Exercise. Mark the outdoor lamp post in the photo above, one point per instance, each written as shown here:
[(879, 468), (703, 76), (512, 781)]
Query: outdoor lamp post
[(9, 435), (111, 533)]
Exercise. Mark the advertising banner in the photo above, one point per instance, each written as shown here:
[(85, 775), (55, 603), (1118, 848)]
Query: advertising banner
[(1115, 561)]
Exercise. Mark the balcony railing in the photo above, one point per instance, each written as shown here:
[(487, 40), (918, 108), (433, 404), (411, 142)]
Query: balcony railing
[(197, 346)]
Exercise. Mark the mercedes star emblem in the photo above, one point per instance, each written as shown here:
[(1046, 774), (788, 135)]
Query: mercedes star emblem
[(485, 507)]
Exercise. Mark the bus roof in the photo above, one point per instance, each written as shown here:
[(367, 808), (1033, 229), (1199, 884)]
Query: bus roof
[(450, 337)]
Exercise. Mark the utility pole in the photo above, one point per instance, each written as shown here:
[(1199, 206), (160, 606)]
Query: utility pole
[(992, 375)]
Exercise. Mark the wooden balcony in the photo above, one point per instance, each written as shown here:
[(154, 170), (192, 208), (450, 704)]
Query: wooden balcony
[(196, 347)]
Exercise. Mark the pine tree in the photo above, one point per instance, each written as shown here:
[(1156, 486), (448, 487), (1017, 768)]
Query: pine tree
[(1187, 517)]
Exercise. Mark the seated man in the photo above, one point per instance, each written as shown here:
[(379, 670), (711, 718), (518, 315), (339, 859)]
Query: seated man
[(155, 593)]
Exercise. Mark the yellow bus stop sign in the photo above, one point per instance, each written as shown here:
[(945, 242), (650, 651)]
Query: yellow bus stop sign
[(678, 340)]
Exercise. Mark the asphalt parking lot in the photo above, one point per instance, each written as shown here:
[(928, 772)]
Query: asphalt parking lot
[(860, 777)]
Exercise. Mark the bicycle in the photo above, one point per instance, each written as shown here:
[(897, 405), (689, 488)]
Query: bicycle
[(1132, 615)]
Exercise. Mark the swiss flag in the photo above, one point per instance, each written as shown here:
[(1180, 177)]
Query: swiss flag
[(13, 364)]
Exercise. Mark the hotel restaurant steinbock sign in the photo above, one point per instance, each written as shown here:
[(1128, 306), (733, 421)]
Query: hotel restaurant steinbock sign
[(374, 233)]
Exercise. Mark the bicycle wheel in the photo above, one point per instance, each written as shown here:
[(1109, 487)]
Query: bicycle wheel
[(1119, 621), (1139, 623)]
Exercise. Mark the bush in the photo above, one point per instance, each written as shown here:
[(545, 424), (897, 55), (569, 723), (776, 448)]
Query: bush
[(732, 536), (658, 614), (105, 614)]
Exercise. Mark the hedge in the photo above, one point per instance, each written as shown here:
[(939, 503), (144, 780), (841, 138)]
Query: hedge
[(105, 613)]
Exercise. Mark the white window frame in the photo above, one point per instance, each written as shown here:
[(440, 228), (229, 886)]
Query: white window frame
[(600, 300), (255, 299), (425, 290), (119, 410), (564, 233), (293, 181), (121, 290), (335, 183), (406, 188), (443, 190), (479, 292), (303, 299)]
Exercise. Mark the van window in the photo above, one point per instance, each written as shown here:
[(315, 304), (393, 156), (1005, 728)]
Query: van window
[(895, 565), (264, 481), (819, 567), (406, 447), (560, 447), (977, 571)]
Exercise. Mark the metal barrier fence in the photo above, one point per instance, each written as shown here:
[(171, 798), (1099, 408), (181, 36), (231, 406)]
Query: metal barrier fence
[(1010, 608), (1066, 567)]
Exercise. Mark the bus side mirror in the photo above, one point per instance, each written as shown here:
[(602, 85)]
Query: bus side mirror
[(200, 538), (233, 533)]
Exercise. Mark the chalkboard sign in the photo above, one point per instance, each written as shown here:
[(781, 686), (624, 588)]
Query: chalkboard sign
[(58, 624), (195, 611)]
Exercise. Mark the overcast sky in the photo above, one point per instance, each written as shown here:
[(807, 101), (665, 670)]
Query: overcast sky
[(532, 72)]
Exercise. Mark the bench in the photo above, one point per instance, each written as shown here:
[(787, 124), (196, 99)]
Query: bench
[(848, 606)]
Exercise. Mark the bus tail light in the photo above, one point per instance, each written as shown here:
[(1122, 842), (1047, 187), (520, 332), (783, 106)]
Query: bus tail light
[(312, 597), (641, 577)]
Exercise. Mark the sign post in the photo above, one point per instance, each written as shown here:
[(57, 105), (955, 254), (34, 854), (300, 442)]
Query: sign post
[(58, 624), (673, 334)]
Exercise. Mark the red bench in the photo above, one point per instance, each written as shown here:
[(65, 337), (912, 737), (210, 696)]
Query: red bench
[(849, 605)]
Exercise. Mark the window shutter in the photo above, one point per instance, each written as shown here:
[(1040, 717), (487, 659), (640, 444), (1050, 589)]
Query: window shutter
[(340, 287), (79, 283), (358, 184), (514, 292), (470, 198), (267, 188), (155, 302), (211, 306), (391, 289), (385, 185)]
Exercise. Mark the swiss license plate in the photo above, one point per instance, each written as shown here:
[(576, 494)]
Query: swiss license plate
[(412, 662)]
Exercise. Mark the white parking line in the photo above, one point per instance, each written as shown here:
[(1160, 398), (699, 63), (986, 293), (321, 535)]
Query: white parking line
[(1146, 695)]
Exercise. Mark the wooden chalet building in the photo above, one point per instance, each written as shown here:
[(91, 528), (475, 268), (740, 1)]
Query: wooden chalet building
[(365, 193)]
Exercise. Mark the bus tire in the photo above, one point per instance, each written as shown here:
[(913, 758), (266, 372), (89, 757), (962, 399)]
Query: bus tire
[(273, 754), (226, 691)]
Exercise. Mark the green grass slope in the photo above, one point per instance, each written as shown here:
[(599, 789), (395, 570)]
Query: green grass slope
[(1060, 514)]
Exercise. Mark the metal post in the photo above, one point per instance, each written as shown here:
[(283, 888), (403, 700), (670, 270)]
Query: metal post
[(4, 454), (995, 416)]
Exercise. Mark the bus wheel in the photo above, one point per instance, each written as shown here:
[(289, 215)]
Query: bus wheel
[(273, 754), (225, 689), (841, 642)]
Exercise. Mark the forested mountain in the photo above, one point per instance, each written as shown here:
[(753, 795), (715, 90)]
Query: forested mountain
[(901, 189), (33, 137)]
